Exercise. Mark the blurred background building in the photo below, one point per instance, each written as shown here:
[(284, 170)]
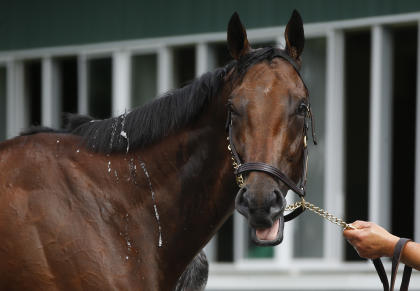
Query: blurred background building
[(361, 66)]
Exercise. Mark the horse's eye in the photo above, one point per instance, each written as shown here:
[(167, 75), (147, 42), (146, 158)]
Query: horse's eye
[(302, 109)]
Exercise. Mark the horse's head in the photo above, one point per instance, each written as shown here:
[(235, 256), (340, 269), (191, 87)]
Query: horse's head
[(268, 110)]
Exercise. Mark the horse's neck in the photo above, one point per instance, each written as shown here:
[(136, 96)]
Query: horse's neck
[(195, 173), (194, 186)]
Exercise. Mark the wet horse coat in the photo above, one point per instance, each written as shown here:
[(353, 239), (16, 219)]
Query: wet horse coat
[(126, 203)]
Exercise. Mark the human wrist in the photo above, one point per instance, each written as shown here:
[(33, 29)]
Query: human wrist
[(391, 242)]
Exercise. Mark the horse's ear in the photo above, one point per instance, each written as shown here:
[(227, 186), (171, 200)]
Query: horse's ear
[(238, 44), (295, 36)]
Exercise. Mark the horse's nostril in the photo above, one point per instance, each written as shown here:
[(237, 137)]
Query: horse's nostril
[(241, 198), (242, 193), (279, 202)]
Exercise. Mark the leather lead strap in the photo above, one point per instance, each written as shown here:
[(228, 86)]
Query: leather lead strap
[(406, 278), (395, 262), (381, 273)]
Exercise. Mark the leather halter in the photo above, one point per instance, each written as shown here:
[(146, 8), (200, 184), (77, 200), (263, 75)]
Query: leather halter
[(243, 168)]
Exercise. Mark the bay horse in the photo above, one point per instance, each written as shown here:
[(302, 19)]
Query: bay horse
[(126, 203)]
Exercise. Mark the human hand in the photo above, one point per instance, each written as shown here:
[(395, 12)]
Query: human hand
[(370, 240)]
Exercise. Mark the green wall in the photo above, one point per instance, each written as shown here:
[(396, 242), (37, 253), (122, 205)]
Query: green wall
[(42, 23)]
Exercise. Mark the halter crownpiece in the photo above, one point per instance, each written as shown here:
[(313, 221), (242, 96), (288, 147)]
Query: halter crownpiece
[(242, 168)]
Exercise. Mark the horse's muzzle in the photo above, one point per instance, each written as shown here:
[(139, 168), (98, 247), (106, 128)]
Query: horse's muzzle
[(264, 211)]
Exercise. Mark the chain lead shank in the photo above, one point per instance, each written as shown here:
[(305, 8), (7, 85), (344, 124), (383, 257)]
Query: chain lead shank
[(321, 212)]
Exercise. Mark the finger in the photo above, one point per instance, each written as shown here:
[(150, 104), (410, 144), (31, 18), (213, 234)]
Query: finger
[(361, 224), (350, 234), (350, 227)]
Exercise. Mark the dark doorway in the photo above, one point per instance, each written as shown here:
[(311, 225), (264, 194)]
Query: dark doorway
[(357, 120), (67, 71), (404, 121), (32, 75), (100, 87)]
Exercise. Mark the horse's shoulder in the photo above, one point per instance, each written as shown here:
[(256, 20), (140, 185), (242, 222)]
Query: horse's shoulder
[(48, 138), (31, 149)]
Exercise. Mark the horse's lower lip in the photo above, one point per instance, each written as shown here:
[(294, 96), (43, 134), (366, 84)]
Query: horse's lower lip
[(271, 236), (268, 234)]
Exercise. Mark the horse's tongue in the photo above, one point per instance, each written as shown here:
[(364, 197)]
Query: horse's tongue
[(268, 233)]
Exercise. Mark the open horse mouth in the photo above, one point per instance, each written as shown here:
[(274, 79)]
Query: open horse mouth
[(270, 236)]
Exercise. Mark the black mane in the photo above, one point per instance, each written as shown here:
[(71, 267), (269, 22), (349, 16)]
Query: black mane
[(151, 122), (158, 118)]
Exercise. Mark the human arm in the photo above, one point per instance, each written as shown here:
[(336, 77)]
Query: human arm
[(411, 255), (372, 241)]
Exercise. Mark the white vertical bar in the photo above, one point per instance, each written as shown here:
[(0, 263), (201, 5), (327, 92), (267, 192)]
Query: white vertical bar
[(239, 237), (165, 69), (121, 82), (334, 160), (212, 58), (281, 42), (50, 103), (202, 59), (16, 113), (203, 63), (283, 253), (202, 66), (417, 153), (211, 249), (82, 81), (380, 127)]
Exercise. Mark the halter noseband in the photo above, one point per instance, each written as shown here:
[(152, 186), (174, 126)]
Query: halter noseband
[(242, 168)]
